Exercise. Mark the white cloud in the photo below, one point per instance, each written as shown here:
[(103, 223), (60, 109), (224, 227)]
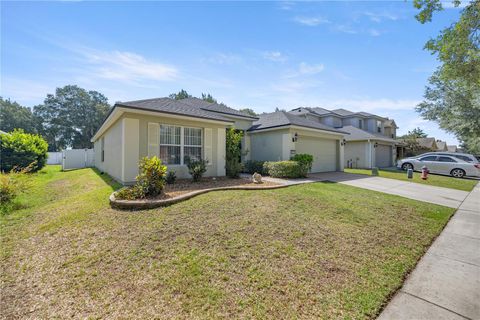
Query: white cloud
[(286, 5), (380, 16), (127, 66), (310, 21), (372, 105), (345, 29), (309, 69), (276, 56), (374, 32)]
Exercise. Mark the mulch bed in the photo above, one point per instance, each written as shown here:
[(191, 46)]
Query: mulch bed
[(183, 186)]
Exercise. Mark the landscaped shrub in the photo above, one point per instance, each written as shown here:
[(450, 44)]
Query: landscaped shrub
[(20, 150), (171, 177), (149, 183), (304, 159), (285, 169), (252, 166), (197, 168), (152, 176), (233, 154)]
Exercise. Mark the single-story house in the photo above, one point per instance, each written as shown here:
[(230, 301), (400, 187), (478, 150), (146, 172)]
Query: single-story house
[(176, 129), (365, 149), (429, 144)]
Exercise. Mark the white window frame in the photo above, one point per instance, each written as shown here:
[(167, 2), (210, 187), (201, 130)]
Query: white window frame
[(182, 144)]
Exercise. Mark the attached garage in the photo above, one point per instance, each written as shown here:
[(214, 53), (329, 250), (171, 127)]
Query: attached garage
[(383, 156), (324, 152)]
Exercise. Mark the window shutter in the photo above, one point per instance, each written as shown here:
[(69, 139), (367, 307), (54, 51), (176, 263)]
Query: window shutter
[(153, 139), (208, 145)]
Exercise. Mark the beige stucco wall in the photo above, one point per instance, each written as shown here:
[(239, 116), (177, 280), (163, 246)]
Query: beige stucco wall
[(112, 163), (126, 143)]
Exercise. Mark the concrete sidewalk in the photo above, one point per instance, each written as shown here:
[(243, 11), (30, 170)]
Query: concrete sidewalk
[(446, 282)]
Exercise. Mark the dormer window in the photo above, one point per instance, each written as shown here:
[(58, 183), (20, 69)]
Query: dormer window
[(379, 126), (360, 123)]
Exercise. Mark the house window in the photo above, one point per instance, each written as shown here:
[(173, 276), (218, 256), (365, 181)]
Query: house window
[(170, 144), (177, 144), (103, 149), (360, 123), (379, 126), (192, 141)]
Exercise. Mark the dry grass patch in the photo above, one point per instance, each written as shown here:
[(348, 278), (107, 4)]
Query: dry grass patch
[(319, 250)]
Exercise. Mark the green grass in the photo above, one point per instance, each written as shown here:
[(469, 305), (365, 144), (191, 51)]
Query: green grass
[(433, 180), (321, 250)]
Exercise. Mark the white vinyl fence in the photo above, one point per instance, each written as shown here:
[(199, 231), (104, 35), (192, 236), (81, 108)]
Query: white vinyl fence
[(77, 159), (54, 158)]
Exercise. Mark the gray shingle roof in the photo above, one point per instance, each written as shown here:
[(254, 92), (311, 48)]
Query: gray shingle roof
[(343, 112), (215, 107), (167, 105), (320, 111), (282, 118)]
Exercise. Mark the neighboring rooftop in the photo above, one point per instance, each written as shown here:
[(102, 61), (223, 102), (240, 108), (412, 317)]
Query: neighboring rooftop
[(168, 105), (356, 134), (428, 143), (215, 107), (283, 118), (452, 148), (441, 145), (336, 112)]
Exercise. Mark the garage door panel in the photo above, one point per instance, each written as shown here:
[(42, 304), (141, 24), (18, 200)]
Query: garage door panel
[(324, 153), (383, 156)]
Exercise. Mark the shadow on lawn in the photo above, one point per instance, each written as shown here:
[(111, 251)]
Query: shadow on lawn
[(107, 179)]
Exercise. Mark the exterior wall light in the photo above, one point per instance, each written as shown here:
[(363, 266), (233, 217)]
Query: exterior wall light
[(295, 137), (375, 145), (343, 142)]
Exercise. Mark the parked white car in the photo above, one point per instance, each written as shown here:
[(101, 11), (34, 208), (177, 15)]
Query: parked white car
[(462, 156), (441, 164)]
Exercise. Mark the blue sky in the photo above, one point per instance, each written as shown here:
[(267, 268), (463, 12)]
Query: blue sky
[(362, 56)]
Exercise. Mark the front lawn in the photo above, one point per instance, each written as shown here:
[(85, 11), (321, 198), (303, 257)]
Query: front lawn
[(321, 250), (433, 180)]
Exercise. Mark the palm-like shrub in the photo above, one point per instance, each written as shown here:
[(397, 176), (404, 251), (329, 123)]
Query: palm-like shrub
[(196, 168)]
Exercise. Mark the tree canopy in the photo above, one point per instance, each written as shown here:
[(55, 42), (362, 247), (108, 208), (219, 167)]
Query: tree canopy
[(182, 94), (415, 133), (71, 117), (452, 97), (14, 116), (249, 111)]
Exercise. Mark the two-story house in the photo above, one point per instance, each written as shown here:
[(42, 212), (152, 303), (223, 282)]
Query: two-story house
[(371, 140)]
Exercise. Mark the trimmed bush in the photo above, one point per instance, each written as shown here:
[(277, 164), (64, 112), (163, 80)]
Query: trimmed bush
[(304, 159), (20, 150), (197, 168), (285, 169), (252, 166)]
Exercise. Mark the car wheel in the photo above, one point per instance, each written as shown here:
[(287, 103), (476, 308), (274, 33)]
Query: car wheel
[(458, 173), (407, 166)]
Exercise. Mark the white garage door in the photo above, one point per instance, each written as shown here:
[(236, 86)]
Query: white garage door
[(383, 156), (324, 152)]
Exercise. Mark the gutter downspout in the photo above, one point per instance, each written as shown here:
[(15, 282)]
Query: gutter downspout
[(370, 153)]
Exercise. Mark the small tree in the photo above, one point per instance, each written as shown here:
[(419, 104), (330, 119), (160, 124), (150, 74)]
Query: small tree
[(20, 150), (182, 94), (233, 154)]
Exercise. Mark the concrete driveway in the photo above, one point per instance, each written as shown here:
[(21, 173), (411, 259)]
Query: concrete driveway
[(443, 196)]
